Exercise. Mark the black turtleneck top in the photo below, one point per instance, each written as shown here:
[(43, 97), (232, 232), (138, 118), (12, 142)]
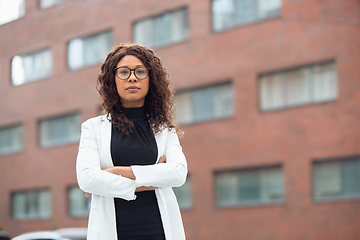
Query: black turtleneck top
[(139, 218)]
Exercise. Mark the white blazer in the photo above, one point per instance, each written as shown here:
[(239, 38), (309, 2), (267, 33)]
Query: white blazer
[(94, 155)]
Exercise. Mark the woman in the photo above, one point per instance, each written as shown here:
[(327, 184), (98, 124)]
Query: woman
[(130, 158)]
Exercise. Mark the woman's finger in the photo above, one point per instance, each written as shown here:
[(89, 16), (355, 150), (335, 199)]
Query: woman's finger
[(162, 160)]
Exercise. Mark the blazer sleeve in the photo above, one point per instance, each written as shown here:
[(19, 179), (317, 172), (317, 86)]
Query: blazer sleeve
[(88, 169), (170, 174)]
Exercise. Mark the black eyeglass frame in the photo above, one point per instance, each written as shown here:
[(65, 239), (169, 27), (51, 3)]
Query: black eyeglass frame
[(132, 70)]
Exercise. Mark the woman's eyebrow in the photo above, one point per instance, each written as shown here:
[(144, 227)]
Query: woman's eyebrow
[(135, 66)]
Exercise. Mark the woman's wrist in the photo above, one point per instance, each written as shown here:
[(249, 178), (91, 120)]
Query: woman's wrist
[(124, 171)]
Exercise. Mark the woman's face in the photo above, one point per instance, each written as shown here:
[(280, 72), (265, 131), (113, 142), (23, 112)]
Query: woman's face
[(132, 91)]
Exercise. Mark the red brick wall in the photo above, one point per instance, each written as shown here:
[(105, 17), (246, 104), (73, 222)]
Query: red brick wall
[(307, 31)]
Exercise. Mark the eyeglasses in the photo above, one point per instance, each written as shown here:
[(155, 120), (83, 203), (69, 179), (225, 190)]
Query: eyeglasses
[(124, 73)]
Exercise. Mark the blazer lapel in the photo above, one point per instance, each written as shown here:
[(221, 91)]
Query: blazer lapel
[(160, 145), (105, 139)]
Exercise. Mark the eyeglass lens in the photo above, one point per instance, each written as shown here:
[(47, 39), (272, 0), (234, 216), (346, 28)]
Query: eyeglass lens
[(124, 72)]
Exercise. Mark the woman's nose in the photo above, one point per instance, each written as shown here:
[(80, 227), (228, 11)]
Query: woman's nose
[(132, 77)]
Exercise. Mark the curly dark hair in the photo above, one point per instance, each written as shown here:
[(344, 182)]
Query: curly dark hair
[(158, 101)]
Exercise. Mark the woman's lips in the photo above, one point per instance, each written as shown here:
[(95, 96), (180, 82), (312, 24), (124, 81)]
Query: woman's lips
[(132, 89)]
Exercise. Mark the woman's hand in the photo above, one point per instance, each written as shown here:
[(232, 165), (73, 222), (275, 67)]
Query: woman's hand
[(141, 189), (162, 160), (127, 172)]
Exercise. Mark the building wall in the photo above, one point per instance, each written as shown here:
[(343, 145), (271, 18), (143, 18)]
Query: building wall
[(306, 32)]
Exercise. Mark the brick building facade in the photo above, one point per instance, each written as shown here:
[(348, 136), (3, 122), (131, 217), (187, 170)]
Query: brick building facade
[(267, 94)]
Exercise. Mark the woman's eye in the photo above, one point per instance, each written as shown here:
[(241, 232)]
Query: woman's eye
[(124, 72)]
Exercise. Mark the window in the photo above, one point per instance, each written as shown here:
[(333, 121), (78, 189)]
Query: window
[(161, 30), (183, 194), (60, 130), (11, 10), (203, 104), (231, 13), (49, 3), (305, 85), (31, 204), (11, 139), (87, 51), (31, 67), (79, 205), (337, 179), (254, 186)]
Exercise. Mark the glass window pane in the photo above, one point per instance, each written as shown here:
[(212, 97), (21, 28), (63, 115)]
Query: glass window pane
[(302, 86), (163, 29), (246, 11), (272, 92), (75, 53), (11, 10), (143, 32), (179, 25), (88, 51), (324, 82), (203, 104), (268, 8), (250, 186), (272, 184), (31, 67), (327, 179), (351, 177), (19, 205), (297, 88), (223, 101), (79, 205), (32, 205), (50, 3), (44, 204), (262, 185), (230, 13), (60, 130), (227, 189), (183, 107), (223, 12), (183, 195), (11, 139)]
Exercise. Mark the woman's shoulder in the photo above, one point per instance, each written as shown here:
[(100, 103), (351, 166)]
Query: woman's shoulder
[(96, 121), (165, 131)]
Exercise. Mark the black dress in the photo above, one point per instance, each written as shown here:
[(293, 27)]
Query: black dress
[(138, 219)]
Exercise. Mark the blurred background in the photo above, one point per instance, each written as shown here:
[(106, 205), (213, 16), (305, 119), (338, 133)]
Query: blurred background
[(267, 92)]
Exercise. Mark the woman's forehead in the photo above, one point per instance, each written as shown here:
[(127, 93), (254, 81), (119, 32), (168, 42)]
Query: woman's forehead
[(130, 61)]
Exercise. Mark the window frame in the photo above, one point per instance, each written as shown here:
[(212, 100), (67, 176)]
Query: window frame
[(75, 113), (341, 197), (36, 191), (157, 15), (82, 38), (21, 148), (20, 16), (69, 214), (234, 26), (250, 203), (310, 81), (189, 182), (38, 51), (203, 88), (51, 6)]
